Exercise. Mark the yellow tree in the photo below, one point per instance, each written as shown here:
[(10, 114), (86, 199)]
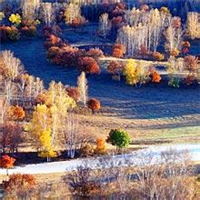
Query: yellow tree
[(135, 73), (41, 130)]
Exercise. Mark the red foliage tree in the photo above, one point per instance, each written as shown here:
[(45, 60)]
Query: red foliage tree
[(53, 40), (88, 65), (115, 68), (95, 53), (73, 92), (119, 50), (155, 77), (94, 105), (7, 162), (16, 113)]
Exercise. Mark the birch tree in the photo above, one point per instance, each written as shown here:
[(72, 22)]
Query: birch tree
[(83, 88), (104, 25)]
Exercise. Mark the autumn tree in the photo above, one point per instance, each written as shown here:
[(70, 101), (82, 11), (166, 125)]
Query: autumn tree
[(115, 68), (74, 93), (88, 65), (191, 63), (119, 50), (119, 138), (135, 73), (16, 113), (11, 137), (100, 146), (83, 88), (7, 162), (19, 185), (94, 105)]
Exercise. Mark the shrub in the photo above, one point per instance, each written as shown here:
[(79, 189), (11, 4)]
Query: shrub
[(7, 162), (11, 137), (155, 77), (88, 65), (9, 33), (119, 50), (100, 147), (95, 53), (16, 113), (174, 52), (19, 184), (119, 138), (74, 93), (86, 149), (158, 56), (94, 105), (191, 63), (115, 68), (52, 40)]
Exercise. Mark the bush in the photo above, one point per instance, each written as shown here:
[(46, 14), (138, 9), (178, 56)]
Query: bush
[(9, 33), (74, 93), (100, 147), (88, 65), (86, 150), (158, 56), (191, 63), (94, 105), (155, 77), (119, 50), (119, 138), (19, 184), (115, 68), (95, 53)]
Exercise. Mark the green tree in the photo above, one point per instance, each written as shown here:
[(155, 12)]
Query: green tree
[(119, 138)]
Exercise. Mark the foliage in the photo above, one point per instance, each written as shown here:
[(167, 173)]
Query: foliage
[(45, 139), (94, 105), (174, 82), (158, 56), (9, 33), (191, 63), (119, 138), (115, 68), (7, 162), (119, 50), (100, 147), (11, 137), (16, 113), (74, 93), (135, 73), (19, 184), (88, 65), (15, 19), (155, 77)]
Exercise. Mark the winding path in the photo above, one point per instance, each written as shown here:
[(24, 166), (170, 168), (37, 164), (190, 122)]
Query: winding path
[(103, 162)]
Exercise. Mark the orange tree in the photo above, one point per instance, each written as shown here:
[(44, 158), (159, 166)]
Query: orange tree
[(7, 162), (94, 104)]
